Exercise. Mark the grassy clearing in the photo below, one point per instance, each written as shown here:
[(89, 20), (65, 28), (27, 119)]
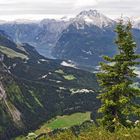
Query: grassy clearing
[(69, 77), (11, 53), (60, 71), (65, 121)]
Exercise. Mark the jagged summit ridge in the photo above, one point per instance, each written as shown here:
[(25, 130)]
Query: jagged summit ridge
[(93, 17), (89, 13)]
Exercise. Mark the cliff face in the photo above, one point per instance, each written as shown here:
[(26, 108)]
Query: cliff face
[(11, 110)]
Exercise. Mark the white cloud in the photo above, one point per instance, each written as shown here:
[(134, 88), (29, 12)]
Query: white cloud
[(85, 3), (112, 8)]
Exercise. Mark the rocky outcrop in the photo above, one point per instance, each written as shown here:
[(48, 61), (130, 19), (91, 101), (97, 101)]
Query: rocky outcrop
[(12, 111)]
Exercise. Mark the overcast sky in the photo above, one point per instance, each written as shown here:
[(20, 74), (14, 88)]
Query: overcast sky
[(37, 9)]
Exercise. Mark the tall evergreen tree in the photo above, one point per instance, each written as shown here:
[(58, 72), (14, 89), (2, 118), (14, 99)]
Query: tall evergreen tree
[(118, 96)]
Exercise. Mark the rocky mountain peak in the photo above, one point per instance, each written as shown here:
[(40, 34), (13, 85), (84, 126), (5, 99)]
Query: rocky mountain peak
[(89, 13), (93, 17)]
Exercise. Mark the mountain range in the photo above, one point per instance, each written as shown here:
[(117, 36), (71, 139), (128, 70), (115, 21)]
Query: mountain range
[(41, 34), (82, 40), (89, 37)]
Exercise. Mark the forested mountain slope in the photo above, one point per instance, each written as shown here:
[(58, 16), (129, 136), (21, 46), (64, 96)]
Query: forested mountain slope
[(34, 89)]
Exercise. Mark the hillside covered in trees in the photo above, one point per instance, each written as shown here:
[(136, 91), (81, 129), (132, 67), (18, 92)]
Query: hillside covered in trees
[(118, 116), (34, 89)]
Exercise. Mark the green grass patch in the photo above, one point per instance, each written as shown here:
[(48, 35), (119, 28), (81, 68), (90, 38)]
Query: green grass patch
[(69, 77), (36, 99), (65, 121), (66, 76), (60, 71), (11, 53)]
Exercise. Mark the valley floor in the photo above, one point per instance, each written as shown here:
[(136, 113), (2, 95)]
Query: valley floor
[(60, 122), (79, 127)]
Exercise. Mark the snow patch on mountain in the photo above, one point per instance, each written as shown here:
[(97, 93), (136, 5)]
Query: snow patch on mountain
[(74, 91), (93, 17), (66, 64)]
